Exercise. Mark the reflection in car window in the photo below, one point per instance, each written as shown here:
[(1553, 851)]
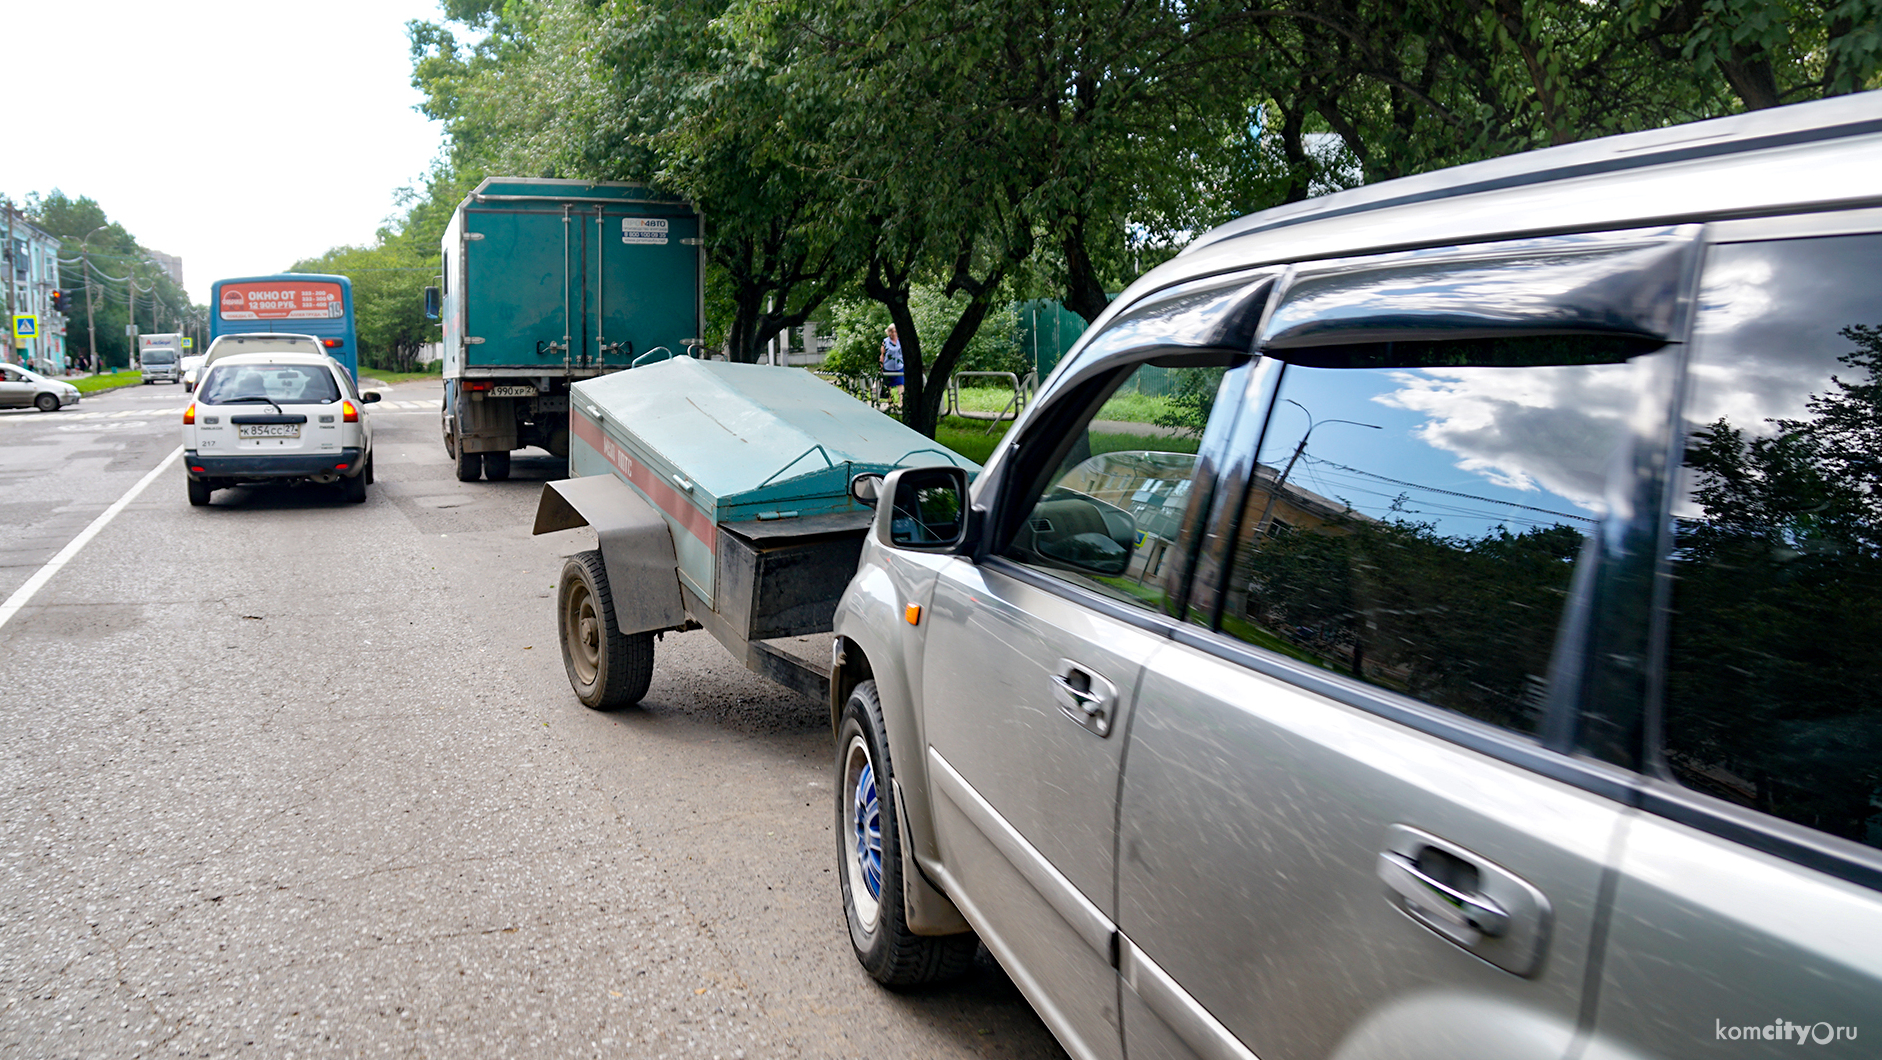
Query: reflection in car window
[(1417, 527), (1774, 674), (1108, 517), (302, 384)]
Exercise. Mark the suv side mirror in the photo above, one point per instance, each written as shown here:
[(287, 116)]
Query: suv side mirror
[(431, 303), (927, 511)]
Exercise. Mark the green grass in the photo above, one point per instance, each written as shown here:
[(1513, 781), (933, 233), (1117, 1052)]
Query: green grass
[(90, 384), (971, 439), (1130, 408), (392, 378), (1133, 408)]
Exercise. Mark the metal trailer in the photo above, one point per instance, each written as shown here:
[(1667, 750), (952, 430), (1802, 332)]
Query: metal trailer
[(720, 498), (546, 282)]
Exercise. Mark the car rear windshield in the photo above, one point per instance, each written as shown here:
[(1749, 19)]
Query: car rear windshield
[(300, 384)]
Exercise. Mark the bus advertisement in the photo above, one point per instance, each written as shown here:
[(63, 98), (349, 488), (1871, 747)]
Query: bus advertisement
[(294, 303)]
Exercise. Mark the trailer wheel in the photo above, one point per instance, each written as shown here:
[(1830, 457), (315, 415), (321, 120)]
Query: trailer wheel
[(607, 669), (496, 466), (469, 465)]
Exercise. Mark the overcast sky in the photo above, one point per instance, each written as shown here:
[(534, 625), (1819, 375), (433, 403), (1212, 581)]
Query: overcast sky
[(239, 136)]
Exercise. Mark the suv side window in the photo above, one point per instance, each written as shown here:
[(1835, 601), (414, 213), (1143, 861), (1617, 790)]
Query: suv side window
[(1107, 517), (1773, 687), (1416, 516)]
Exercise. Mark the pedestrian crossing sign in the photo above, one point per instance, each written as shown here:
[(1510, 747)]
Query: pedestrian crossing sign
[(25, 326)]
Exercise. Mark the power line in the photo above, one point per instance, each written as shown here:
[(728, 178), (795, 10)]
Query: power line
[(1453, 493)]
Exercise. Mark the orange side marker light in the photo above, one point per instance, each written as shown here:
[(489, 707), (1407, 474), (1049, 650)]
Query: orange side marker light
[(913, 614)]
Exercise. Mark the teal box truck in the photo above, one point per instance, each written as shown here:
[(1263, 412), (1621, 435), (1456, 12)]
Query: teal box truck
[(547, 282)]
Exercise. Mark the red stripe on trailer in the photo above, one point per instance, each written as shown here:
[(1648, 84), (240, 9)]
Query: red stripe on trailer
[(669, 500)]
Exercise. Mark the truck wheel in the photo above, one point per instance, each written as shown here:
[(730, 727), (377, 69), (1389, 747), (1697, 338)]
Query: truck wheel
[(496, 466), (469, 465), (607, 669), (199, 492), (869, 859)]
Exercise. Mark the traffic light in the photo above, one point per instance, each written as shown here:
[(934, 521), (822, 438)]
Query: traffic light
[(60, 300)]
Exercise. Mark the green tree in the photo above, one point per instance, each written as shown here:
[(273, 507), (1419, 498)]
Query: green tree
[(121, 283)]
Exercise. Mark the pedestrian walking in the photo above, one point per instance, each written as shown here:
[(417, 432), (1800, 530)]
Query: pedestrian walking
[(892, 366)]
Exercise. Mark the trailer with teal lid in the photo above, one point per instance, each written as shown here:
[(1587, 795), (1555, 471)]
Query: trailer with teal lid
[(721, 497), (546, 282)]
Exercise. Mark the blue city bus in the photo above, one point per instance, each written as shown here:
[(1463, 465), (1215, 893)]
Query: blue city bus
[(293, 303)]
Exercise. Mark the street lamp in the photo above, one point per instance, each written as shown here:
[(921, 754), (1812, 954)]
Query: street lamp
[(1281, 483)]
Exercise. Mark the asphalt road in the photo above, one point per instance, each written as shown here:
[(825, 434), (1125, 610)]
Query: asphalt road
[(286, 776)]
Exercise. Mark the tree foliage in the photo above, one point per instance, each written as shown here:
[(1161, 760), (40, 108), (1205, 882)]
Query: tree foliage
[(868, 148), (1773, 692), (120, 278)]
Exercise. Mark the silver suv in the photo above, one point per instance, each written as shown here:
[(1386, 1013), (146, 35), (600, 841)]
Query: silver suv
[(1478, 652)]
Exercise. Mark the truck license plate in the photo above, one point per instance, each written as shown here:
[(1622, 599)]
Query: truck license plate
[(512, 391), (271, 430)]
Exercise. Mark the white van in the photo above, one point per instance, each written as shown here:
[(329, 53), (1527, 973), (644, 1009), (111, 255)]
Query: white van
[(162, 364)]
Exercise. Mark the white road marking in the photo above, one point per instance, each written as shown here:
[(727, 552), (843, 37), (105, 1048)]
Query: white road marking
[(44, 574), (115, 425)]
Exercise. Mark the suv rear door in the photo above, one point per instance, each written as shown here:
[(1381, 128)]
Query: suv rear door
[(1348, 826), (1748, 909)]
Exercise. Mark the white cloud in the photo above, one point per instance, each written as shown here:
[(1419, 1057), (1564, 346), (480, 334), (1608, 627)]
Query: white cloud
[(1538, 430)]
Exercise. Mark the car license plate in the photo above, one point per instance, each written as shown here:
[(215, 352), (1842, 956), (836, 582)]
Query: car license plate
[(512, 391), (271, 430)]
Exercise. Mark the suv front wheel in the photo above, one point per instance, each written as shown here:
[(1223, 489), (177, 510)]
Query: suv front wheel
[(869, 859)]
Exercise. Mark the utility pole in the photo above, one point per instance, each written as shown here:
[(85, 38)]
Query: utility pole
[(7, 204), (130, 311), (91, 329)]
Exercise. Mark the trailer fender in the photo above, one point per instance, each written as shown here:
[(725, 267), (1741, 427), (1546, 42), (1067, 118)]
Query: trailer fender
[(636, 547)]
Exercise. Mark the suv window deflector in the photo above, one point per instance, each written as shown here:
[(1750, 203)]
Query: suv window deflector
[(1602, 297), (1193, 322)]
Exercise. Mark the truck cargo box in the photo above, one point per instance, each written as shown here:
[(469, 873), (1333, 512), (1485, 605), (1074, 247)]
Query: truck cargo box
[(550, 277)]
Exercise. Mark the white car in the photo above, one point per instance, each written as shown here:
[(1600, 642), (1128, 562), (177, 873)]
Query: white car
[(288, 413), (22, 388), (192, 367)]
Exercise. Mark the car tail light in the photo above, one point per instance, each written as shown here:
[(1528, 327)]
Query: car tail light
[(189, 414), (341, 467), (348, 414), (193, 467)]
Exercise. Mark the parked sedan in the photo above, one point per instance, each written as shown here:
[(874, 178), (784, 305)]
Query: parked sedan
[(1495, 675), (281, 416), (22, 388)]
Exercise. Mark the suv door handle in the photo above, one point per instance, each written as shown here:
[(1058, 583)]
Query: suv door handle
[(1434, 898), (1465, 898), (1084, 697)]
